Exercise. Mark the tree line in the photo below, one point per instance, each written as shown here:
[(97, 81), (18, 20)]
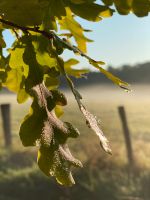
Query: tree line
[(139, 73)]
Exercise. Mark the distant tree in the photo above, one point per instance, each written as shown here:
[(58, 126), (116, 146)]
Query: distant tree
[(34, 65)]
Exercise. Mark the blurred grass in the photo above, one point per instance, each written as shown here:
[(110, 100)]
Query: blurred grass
[(103, 177)]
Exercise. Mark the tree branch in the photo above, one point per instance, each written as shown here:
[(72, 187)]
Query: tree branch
[(48, 35), (66, 44)]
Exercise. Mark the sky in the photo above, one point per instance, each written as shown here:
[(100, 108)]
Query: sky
[(118, 40), (121, 40)]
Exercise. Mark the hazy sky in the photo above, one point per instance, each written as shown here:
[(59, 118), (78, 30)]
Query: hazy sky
[(118, 40), (121, 40)]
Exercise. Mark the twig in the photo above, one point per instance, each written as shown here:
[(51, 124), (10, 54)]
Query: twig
[(52, 35), (49, 35), (26, 29)]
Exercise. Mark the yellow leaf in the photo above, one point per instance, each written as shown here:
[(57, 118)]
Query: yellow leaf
[(22, 96), (110, 76), (59, 111), (69, 23), (14, 78), (78, 73), (16, 60)]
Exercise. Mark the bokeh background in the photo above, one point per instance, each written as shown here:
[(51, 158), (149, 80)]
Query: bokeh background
[(124, 43)]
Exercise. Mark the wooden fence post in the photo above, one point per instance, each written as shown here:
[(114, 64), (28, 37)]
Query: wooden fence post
[(5, 110), (126, 133)]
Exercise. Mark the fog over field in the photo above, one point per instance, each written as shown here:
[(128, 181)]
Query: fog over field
[(19, 167), (102, 101), (101, 92)]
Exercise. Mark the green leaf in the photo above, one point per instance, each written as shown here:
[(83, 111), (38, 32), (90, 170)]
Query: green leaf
[(35, 75), (110, 76), (3, 69), (58, 46), (22, 96), (78, 73), (31, 128), (44, 59), (14, 79), (16, 60), (141, 8), (42, 128), (57, 161), (59, 111), (91, 11), (69, 23), (2, 42), (55, 9), (59, 98), (33, 67), (78, 1), (123, 6), (24, 13), (108, 2), (51, 83)]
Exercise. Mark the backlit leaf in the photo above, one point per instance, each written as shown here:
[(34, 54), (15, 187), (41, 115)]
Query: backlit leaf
[(110, 76), (69, 23), (14, 79), (33, 69), (16, 60), (78, 73), (59, 111), (22, 96), (2, 42), (91, 11), (42, 128)]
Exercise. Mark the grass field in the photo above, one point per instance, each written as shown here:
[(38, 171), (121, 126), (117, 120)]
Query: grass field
[(103, 177)]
